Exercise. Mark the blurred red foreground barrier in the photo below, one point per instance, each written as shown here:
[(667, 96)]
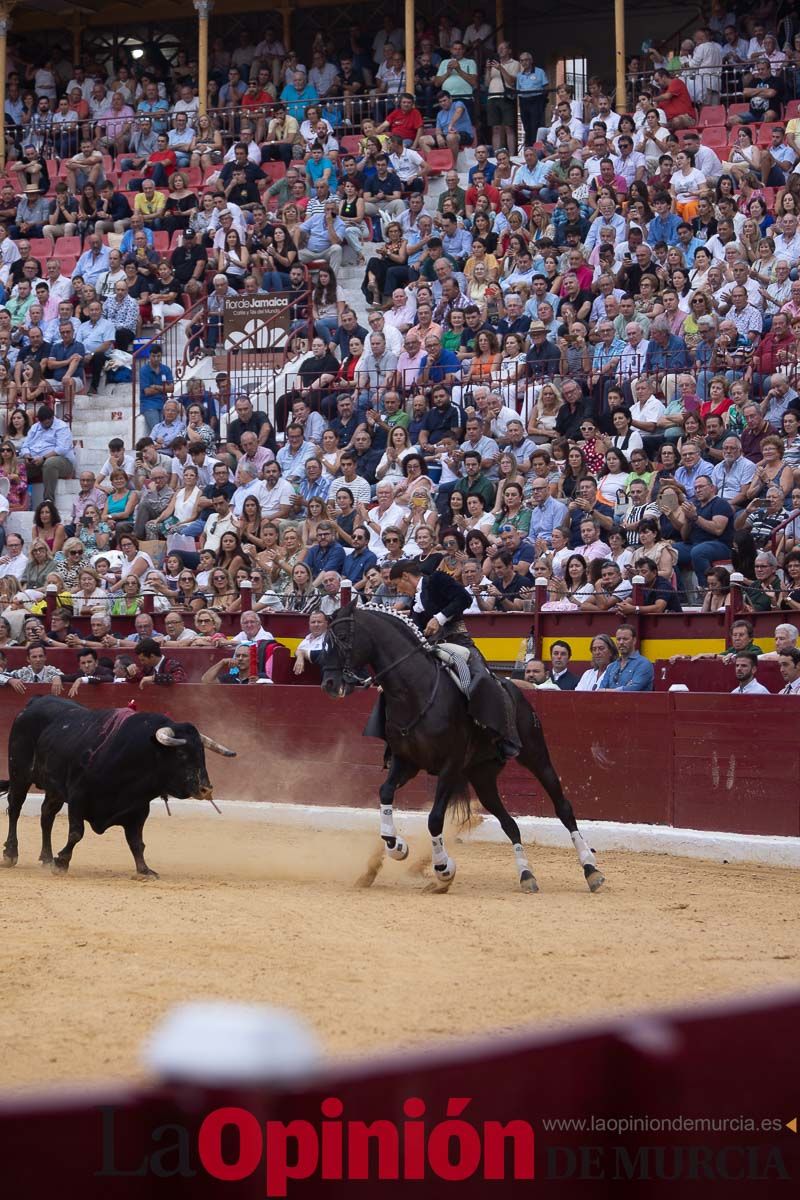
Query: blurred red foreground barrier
[(728, 1067)]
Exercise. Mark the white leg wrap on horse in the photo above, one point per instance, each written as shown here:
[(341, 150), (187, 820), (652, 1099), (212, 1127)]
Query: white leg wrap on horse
[(522, 861), (387, 822), (443, 865), (585, 856), (439, 852)]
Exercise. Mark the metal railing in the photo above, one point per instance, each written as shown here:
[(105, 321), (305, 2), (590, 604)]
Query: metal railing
[(180, 350), (722, 84)]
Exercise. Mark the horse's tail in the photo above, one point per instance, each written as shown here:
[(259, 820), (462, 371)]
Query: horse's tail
[(459, 802)]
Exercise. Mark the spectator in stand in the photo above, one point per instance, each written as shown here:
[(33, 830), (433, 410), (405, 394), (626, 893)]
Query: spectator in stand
[(745, 666), (156, 383), (631, 671)]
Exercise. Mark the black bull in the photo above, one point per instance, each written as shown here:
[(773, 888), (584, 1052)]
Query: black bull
[(106, 765)]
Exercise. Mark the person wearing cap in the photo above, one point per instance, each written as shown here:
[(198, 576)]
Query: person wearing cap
[(33, 213), (190, 259), (544, 357)]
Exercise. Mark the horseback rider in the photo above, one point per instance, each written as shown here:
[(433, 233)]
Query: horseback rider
[(438, 608)]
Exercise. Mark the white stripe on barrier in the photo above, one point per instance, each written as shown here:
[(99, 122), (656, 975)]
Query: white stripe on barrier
[(541, 831)]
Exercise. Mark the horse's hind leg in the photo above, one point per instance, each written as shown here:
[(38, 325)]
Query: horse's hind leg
[(483, 778), (535, 757), (401, 771)]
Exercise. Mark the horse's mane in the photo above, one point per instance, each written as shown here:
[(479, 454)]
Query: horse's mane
[(396, 615)]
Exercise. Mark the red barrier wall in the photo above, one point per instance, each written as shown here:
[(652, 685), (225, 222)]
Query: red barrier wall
[(727, 763), (721, 1063)]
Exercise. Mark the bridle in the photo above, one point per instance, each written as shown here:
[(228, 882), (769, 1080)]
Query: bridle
[(344, 648)]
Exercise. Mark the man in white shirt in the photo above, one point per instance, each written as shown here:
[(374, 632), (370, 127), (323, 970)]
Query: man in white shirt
[(741, 278), (704, 77), (704, 157), (222, 520), (787, 242), (13, 562), (499, 415), (535, 675), (632, 359), (253, 149), (745, 666), (789, 662), (648, 410), (381, 516), (564, 117), (252, 631)]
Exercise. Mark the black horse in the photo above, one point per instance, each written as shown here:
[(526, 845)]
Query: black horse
[(427, 728)]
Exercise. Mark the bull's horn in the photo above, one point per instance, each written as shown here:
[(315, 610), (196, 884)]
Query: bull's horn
[(166, 737), (217, 747)]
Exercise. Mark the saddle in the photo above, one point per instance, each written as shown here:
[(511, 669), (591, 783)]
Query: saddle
[(456, 662)]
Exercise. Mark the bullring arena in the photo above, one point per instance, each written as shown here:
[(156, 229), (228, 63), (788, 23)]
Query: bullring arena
[(507, 378), (257, 911)]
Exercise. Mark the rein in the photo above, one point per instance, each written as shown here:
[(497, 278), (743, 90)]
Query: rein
[(350, 677)]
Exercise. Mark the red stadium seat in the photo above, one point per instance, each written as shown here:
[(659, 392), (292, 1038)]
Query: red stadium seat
[(680, 134), (274, 170), (68, 245), (439, 161), (792, 110), (736, 110), (68, 262), (160, 240), (350, 143), (715, 137), (194, 176), (769, 197), (765, 132), (711, 115), (41, 248)]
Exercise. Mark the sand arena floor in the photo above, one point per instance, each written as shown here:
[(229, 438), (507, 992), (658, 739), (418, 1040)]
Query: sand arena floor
[(254, 912)]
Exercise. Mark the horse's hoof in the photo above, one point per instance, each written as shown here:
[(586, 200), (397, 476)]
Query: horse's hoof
[(594, 878), (46, 862), (399, 851), (527, 882), (442, 878), (59, 868), (145, 875), (438, 888), (10, 860)]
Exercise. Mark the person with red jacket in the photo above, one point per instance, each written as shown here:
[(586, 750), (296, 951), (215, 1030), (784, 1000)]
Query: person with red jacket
[(674, 99), (405, 120)]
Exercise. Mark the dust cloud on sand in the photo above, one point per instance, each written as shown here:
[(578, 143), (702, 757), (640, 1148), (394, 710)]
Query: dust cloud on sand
[(251, 911)]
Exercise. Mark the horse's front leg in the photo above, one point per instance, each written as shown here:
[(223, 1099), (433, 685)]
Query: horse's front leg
[(444, 867), (400, 772)]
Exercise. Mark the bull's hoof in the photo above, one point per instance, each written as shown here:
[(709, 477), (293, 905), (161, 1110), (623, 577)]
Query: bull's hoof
[(527, 882), (146, 874), (594, 878), (9, 860)]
